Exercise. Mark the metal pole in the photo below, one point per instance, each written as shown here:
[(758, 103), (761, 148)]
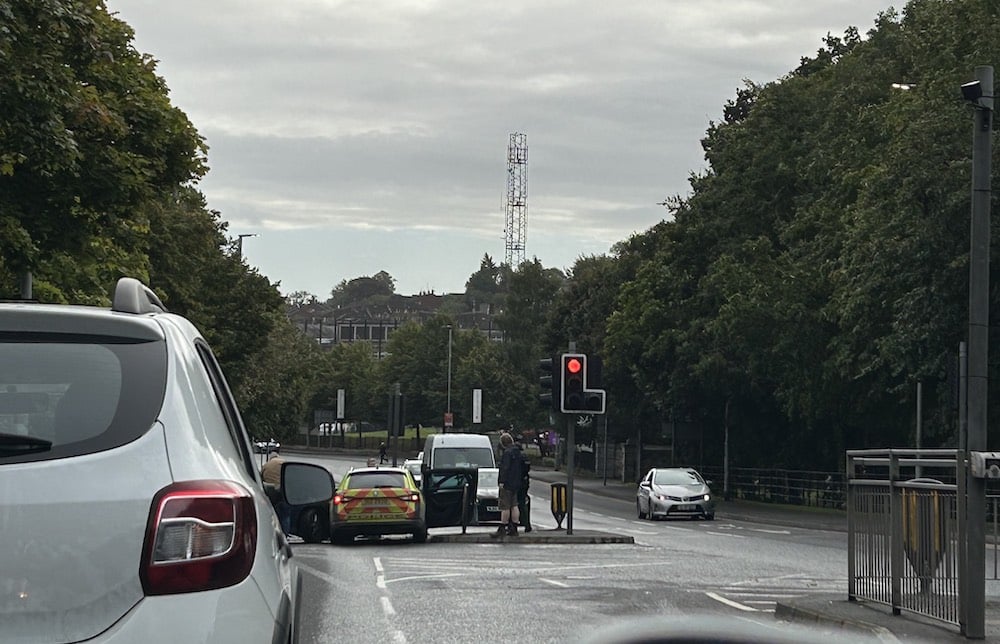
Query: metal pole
[(605, 449), (920, 397), (979, 263), (449, 368), (725, 456), (26, 285), (570, 465)]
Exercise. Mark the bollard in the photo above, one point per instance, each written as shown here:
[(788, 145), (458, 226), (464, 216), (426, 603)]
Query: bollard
[(559, 503), (924, 533)]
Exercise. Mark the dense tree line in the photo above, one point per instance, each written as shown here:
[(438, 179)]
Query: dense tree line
[(819, 269), (813, 275), (97, 176)]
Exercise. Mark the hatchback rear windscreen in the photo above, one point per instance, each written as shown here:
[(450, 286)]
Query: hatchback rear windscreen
[(74, 396), (362, 480)]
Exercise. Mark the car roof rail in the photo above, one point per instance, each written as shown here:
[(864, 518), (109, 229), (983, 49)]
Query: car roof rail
[(132, 296)]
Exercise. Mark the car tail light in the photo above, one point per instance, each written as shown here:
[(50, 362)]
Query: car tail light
[(340, 498), (200, 535), (415, 498)]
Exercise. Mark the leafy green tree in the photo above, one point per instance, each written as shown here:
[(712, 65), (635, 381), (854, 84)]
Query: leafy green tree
[(362, 289), (90, 137), (277, 382), (483, 286), (352, 366)]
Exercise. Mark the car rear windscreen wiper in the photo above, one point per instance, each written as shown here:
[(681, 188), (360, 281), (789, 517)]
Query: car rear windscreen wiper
[(17, 444)]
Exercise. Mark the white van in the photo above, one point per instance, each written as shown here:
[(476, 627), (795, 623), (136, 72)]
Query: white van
[(458, 450)]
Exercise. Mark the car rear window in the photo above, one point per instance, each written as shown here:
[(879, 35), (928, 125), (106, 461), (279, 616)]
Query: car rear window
[(361, 480), (81, 394), (463, 457)]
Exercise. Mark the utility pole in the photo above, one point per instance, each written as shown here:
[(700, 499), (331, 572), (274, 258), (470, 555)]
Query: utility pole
[(980, 94)]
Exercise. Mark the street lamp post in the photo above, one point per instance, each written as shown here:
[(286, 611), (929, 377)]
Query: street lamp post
[(449, 370), (980, 94), (239, 242)]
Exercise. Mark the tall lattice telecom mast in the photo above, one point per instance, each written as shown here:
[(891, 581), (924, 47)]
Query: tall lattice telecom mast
[(517, 198)]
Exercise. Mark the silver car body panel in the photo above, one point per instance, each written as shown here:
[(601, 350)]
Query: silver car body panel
[(71, 536), (72, 529)]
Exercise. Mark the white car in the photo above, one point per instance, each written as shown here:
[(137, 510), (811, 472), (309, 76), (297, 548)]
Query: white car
[(413, 465), (139, 513)]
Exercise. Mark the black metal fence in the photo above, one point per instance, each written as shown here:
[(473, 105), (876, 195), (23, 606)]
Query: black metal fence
[(792, 487)]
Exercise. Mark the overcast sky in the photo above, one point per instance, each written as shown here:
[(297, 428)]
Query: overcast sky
[(355, 136)]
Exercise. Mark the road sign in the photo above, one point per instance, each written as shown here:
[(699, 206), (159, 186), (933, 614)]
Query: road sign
[(449, 419), (477, 406)]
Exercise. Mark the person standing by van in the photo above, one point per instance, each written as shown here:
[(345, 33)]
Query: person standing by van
[(510, 482), (523, 500)]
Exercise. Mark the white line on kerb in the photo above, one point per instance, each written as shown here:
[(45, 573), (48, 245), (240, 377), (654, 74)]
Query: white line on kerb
[(729, 602), (554, 582)]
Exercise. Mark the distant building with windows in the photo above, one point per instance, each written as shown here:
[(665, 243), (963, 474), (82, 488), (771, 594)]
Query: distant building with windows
[(330, 325)]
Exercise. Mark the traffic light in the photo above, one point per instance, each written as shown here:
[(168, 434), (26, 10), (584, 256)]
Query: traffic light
[(577, 397), (594, 396), (573, 368), (549, 395)]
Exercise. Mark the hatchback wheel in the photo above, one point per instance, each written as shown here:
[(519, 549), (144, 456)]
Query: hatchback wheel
[(638, 509)]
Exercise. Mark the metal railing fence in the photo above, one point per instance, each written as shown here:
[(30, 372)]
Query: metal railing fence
[(906, 530), (793, 487)]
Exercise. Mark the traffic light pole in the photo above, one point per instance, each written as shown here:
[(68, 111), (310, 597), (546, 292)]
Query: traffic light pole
[(570, 466)]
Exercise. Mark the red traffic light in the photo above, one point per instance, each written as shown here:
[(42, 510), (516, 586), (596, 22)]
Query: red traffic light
[(573, 365)]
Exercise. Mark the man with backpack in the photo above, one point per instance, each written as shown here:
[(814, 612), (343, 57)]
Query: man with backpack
[(510, 478)]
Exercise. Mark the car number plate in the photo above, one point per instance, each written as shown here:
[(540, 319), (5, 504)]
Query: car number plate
[(493, 508), (686, 508), (376, 501)]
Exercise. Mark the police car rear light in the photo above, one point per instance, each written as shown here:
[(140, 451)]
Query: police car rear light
[(200, 535), (414, 498), (338, 499)]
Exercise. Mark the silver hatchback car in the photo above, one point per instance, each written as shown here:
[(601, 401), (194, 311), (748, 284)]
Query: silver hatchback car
[(674, 492), (131, 507)]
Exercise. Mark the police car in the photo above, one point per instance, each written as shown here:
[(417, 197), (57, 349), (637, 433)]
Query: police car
[(377, 501)]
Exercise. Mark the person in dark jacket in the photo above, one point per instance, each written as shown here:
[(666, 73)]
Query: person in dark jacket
[(523, 500), (510, 482)]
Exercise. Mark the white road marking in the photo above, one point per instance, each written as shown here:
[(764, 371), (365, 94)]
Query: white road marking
[(387, 606), (554, 582), (729, 602), (378, 565), (770, 531), (412, 577), (726, 534)]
